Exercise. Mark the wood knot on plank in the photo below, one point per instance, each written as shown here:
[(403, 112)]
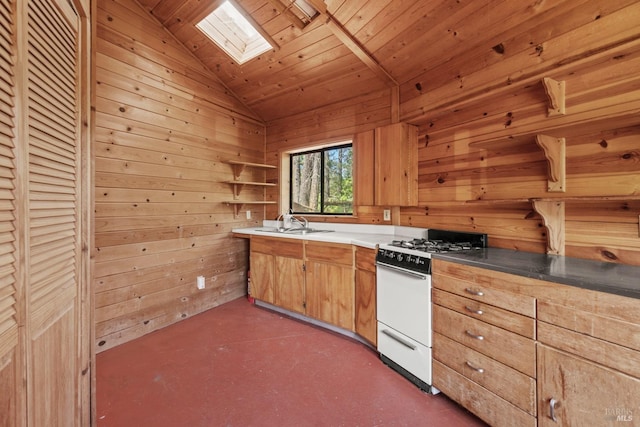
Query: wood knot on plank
[(499, 48)]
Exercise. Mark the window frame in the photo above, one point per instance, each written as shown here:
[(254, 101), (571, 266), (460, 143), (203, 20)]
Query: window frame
[(322, 150)]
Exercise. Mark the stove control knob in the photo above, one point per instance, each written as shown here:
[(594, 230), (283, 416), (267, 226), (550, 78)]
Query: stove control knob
[(400, 257)]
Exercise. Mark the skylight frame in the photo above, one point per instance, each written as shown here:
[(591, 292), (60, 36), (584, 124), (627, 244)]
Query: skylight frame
[(232, 32)]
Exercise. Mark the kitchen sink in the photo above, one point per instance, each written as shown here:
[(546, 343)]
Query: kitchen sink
[(293, 230)]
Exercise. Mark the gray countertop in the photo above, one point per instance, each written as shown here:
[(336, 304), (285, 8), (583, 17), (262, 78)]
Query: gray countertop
[(608, 277)]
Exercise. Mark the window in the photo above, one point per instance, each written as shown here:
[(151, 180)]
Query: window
[(322, 181), (232, 32)]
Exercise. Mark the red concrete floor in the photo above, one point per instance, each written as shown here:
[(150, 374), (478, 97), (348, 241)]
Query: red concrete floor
[(241, 365)]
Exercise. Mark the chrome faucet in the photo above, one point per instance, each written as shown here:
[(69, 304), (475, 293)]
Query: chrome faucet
[(278, 227), (302, 221)]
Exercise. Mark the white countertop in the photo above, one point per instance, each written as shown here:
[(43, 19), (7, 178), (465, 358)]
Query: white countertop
[(364, 235)]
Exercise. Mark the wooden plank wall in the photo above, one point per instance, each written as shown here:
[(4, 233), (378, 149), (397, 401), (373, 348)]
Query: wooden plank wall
[(335, 122), (496, 97), (164, 128)]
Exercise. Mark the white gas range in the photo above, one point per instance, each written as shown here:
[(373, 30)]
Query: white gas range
[(404, 300)]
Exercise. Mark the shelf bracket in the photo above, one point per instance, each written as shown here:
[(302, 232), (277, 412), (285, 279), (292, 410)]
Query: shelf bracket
[(552, 213), (555, 91), (236, 190), (236, 209), (237, 170), (555, 152)]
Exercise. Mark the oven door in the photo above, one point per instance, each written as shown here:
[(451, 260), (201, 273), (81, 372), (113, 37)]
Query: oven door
[(404, 302)]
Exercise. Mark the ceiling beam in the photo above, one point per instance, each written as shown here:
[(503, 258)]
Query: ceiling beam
[(341, 33), (354, 45), (286, 11)]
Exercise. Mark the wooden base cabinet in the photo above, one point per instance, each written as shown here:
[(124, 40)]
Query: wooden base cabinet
[(262, 276), (576, 392), (588, 359), (277, 272), (366, 315), (483, 345), (290, 283), (307, 277), (329, 276), (583, 344)]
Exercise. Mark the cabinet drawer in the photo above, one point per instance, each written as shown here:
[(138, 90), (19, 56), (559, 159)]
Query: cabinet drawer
[(504, 346), (602, 352), (486, 405), (598, 326), (366, 259), (480, 285), (502, 380), (291, 248), (521, 325), (334, 253)]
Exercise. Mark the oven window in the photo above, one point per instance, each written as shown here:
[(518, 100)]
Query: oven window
[(322, 181)]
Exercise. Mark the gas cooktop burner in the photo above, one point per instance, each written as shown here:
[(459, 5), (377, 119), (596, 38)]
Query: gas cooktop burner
[(434, 246)]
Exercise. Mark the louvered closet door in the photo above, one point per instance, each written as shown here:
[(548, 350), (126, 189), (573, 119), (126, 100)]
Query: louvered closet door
[(53, 214), (9, 350)]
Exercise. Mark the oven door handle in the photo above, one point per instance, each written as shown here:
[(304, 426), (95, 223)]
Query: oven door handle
[(398, 339), (402, 271)]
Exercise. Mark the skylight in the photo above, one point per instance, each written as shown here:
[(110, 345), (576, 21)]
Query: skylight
[(232, 32)]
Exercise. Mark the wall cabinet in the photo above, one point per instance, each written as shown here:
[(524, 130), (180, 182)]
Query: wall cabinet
[(386, 166), (365, 305)]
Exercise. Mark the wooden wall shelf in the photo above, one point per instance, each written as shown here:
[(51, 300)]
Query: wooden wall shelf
[(237, 204), (554, 150), (237, 186), (552, 211), (238, 167)]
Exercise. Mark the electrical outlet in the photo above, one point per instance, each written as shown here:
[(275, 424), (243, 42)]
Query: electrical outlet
[(387, 214), (248, 214), (200, 282)]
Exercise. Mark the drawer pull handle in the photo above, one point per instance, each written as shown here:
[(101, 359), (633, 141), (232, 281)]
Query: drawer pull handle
[(471, 310), (478, 370), (472, 335), (553, 405), (473, 292)]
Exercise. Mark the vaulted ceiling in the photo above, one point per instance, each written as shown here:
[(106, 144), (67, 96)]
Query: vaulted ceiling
[(354, 47)]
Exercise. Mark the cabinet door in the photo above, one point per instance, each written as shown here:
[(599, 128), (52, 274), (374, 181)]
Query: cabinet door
[(262, 277), (289, 283), (330, 293), (363, 169), (396, 162), (366, 325), (583, 393), (365, 305)]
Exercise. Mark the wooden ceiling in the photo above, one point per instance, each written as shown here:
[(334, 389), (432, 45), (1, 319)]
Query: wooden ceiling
[(354, 48)]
